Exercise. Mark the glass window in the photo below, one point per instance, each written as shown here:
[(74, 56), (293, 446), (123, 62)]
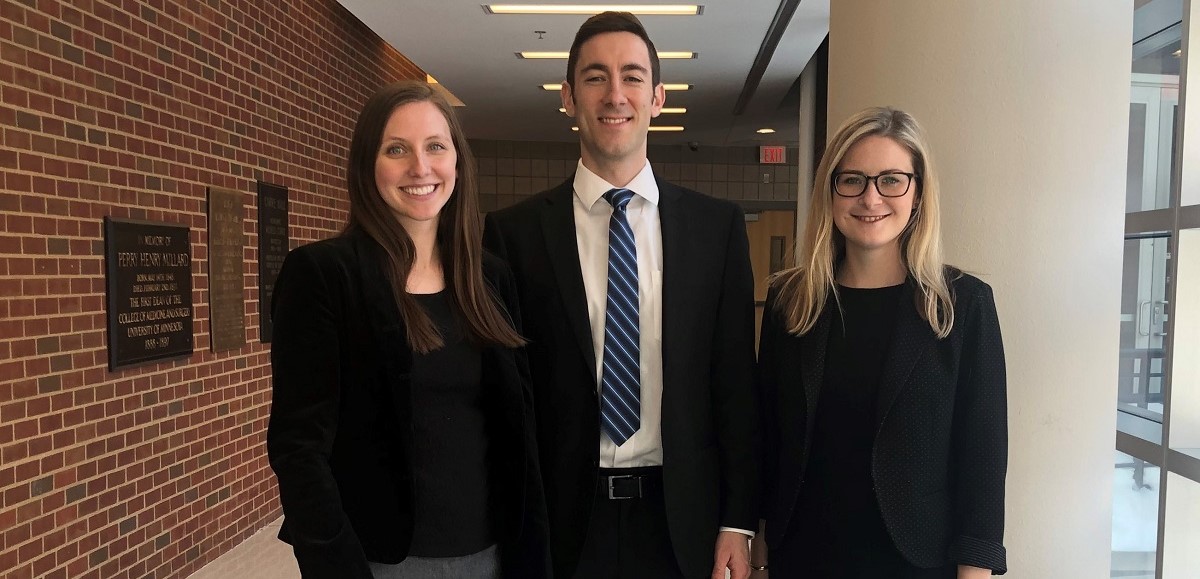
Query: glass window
[(1158, 378), (1144, 315), (1135, 517), (1153, 105)]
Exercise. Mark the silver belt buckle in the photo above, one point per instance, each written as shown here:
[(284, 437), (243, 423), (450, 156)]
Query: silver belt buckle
[(620, 476)]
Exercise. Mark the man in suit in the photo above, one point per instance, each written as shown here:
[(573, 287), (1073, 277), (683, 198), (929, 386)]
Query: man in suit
[(637, 300)]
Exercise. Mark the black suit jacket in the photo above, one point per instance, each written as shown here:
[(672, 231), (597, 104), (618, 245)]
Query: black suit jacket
[(339, 437), (941, 447), (708, 408)]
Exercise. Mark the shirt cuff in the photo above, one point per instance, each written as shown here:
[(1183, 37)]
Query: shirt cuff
[(749, 534)]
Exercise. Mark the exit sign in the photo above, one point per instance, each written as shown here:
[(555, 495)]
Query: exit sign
[(772, 154)]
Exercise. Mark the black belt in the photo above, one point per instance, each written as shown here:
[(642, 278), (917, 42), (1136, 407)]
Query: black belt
[(630, 483)]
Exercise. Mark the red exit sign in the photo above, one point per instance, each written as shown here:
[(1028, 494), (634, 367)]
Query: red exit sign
[(772, 154)]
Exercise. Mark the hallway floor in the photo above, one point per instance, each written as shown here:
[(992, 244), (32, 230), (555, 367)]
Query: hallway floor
[(262, 556)]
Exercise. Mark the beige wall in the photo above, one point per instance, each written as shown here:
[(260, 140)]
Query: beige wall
[(1026, 104), (1185, 359)]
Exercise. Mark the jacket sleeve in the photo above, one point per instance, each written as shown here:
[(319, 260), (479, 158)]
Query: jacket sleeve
[(304, 420), (980, 440), (733, 382)]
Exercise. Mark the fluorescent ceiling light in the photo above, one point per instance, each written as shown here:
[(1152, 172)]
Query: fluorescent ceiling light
[(676, 86), (655, 128), (440, 88), (765, 131), (535, 55), (665, 110), (590, 9)]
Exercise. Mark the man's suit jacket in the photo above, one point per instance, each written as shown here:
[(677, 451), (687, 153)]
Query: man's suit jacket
[(708, 408), (941, 444), (339, 439)]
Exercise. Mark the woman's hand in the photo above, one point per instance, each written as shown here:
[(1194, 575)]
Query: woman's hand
[(969, 572)]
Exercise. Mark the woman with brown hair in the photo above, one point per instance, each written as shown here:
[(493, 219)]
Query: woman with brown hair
[(401, 425), (881, 376)]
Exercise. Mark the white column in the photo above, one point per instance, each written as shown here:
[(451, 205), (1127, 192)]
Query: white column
[(1026, 105)]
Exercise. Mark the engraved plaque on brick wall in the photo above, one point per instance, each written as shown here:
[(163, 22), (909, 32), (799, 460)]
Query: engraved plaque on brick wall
[(226, 304), (272, 248), (148, 282)]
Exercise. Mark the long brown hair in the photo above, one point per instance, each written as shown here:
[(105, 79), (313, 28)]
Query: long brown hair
[(803, 289), (459, 231)]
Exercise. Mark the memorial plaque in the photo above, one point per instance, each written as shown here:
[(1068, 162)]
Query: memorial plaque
[(148, 281), (272, 248), (226, 305)]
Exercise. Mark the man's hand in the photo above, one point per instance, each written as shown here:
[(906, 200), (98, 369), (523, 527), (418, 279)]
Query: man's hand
[(758, 551), (733, 553)]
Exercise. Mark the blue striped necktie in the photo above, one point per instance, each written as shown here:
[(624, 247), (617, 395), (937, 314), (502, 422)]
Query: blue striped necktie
[(620, 398)]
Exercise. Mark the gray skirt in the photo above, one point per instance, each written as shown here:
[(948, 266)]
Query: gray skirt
[(482, 565)]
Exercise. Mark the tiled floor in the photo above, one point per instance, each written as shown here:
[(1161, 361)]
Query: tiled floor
[(262, 556)]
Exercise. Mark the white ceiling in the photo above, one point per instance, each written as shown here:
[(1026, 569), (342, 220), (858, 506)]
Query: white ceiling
[(472, 54)]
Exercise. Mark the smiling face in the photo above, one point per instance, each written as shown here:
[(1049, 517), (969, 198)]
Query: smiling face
[(872, 222), (415, 169), (612, 98)]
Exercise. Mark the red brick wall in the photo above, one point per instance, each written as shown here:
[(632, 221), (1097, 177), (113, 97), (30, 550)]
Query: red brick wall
[(130, 109)]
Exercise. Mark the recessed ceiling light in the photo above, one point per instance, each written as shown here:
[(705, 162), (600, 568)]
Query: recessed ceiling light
[(676, 86), (590, 9), (535, 55), (655, 129), (665, 110), (765, 131)]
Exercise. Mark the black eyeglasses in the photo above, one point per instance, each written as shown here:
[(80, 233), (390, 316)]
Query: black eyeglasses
[(889, 184)]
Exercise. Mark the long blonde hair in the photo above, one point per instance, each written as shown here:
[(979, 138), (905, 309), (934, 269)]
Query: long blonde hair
[(804, 288)]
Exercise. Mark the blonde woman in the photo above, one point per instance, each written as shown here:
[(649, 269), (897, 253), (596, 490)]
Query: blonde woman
[(881, 372)]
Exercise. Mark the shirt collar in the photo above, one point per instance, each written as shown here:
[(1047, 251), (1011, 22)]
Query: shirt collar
[(589, 187)]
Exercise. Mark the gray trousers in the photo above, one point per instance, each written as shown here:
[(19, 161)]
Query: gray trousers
[(482, 565)]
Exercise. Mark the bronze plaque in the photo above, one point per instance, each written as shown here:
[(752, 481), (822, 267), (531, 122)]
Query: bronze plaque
[(148, 282), (272, 248), (226, 304)]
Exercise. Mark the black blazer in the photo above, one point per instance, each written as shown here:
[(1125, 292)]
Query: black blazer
[(708, 408), (941, 447), (339, 438)]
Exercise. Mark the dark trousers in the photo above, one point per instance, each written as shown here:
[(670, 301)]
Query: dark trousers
[(628, 538)]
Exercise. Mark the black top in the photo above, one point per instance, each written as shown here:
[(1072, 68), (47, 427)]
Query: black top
[(839, 520), (450, 442)]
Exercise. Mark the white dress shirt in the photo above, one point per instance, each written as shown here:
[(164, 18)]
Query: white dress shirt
[(592, 215)]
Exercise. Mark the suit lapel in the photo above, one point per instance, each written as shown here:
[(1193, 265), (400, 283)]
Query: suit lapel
[(385, 321), (558, 227), (391, 336), (910, 340), (812, 365), (674, 302)]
